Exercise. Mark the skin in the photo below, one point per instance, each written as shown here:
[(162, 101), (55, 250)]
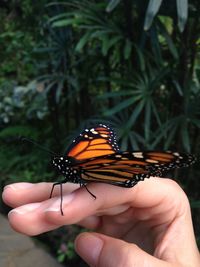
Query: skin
[(148, 225)]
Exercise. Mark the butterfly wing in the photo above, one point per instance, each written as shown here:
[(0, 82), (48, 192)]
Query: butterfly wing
[(127, 169), (93, 142)]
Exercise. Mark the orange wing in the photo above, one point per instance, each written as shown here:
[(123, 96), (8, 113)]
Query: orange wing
[(127, 169), (93, 142)]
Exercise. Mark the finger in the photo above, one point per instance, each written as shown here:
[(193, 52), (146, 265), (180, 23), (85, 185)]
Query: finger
[(35, 223), (79, 204), (94, 221), (29, 219), (20, 218), (100, 250), (17, 194)]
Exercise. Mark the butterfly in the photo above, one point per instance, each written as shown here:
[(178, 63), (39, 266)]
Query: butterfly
[(94, 156)]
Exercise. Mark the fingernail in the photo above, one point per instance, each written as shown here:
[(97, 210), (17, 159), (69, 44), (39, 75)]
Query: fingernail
[(17, 186), (89, 247), (25, 208), (55, 206)]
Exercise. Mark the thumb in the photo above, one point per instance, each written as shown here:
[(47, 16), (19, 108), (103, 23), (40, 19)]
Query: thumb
[(99, 250)]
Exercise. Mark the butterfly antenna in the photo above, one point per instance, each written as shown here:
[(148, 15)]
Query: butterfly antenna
[(24, 139)]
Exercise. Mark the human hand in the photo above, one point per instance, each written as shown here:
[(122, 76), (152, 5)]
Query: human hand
[(147, 225)]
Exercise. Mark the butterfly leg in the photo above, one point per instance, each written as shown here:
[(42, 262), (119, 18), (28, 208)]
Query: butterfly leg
[(61, 199), (57, 183), (81, 185), (61, 195)]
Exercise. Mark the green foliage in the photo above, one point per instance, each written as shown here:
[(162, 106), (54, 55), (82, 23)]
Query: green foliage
[(138, 76), (17, 131), (16, 47), (195, 204), (144, 90), (112, 4), (19, 162), (92, 19), (25, 101), (66, 252), (152, 10)]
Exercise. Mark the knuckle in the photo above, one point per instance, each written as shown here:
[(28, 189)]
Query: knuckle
[(179, 197)]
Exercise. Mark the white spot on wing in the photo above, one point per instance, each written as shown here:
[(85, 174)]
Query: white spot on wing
[(138, 154), (176, 154)]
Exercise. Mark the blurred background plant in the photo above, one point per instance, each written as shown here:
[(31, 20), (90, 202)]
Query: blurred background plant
[(68, 64)]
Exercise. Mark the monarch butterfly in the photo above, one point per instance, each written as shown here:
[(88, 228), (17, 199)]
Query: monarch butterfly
[(94, 156)]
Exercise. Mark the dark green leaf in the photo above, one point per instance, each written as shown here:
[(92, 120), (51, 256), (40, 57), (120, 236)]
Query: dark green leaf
[(171, 135), (134, 143), (156, 47), (124, 104), (105, 44), (136, 112), (185, 137), (141, 58), (196, 122), (127, 49), (116, 94), (178, 87), (59, 91), (124, 143), (152, 10), (182, 13), (156, 113), (147, 121), (170, 43), (112, 4), (82, 42), (66, 22)]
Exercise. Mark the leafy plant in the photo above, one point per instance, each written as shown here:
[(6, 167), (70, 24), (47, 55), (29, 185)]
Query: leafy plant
[(66, 252)]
